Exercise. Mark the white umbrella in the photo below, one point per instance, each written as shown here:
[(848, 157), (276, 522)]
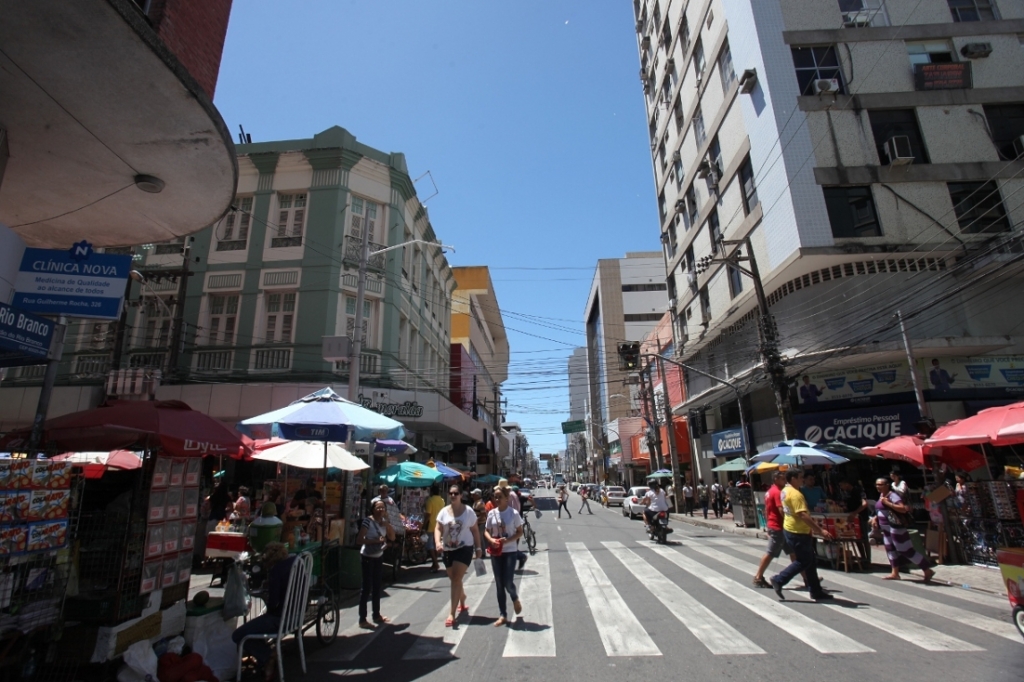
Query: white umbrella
[(306, 454)]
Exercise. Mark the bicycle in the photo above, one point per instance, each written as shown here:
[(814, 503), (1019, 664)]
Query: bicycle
[(530, 536)]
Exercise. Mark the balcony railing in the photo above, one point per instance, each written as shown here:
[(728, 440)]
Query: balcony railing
[(284, 242), (147, 360), (369, 363), (373, 285), (232, 245), (92, 364), (214, 360), (353, 249), (272, 359)]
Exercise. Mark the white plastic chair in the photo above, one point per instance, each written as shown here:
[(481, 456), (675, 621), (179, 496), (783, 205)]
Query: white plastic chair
[(292, 614)]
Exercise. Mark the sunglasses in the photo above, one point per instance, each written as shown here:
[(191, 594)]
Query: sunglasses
[(453, 492)]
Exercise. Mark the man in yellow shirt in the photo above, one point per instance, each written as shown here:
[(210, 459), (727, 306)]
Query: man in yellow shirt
[(431, 508), (797, 527)]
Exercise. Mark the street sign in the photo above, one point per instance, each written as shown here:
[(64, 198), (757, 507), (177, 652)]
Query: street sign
[(728, 442), (76, 282), (336, 348), (24, 338), (575, 426)]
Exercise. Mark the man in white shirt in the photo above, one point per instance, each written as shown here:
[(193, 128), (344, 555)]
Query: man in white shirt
[(655, 501), (688, 498)]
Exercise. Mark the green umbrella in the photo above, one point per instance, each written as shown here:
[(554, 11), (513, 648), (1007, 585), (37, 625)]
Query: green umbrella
[(738, 464), (487, 479), (410, 475)]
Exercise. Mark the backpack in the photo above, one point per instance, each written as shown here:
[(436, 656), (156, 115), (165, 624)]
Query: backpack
[(702, 492)]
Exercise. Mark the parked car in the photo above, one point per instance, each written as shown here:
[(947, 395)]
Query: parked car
[(633, 504), (616, 494), (574, 485)]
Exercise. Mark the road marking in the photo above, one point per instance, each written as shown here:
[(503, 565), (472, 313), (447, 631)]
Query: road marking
[(533, 635), (905, 629), (620, 631), (438, 641), (807, 630), (992, 626), (717, 635)]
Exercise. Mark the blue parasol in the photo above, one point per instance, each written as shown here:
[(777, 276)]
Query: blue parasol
[(799, 453), (323, 416)]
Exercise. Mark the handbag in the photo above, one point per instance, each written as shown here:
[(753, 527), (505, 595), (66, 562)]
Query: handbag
[(501, 543), (897, 519)]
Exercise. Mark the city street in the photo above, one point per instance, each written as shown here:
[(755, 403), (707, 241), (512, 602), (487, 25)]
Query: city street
[(601, 602)]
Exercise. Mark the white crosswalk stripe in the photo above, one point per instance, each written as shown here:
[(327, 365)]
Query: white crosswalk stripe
[(984, 623), (438, 641), (535, 591), (620, 630), (717, 635), (810, 632)]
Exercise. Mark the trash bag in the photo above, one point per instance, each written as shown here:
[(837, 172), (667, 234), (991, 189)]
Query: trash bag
[(213, 642), (236, 596), (140, 663)]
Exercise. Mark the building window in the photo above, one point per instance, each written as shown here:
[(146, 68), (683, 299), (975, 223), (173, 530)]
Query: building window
[(725, 68), (684, 33), (235, 234), (698, 59), (678, 165), (699, 134), (747, 188), (851, 211), (972, 10), (656, 286), (642, 317), (280, 317), (677, 112), (930, 52), (157, 322), (689, 267), (666, 89), (364, 213), (661, 206), (350, 318), (705, 306), (1006, 124), (889, 123), (816, 63), (661, 155), (735, 280), (223, 319), (978, 207), (714, 231), (692, 210), (291, 219), (862, 13)]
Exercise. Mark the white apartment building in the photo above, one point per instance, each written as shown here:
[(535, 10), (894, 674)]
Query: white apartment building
[(869, 149)]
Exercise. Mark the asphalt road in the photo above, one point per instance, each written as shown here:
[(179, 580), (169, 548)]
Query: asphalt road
[(601, 602)]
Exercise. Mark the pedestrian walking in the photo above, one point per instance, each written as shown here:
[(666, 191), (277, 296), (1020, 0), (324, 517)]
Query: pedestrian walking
[(892, 519), (717, 499), (563, 498), (702, 497), (457, 536), (480, 507), (797, 527), (502, 531), (584, 500), (688, 498), (374, 533), (774, 519), (431, 508), (513, 501)]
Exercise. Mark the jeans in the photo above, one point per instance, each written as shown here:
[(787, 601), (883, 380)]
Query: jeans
[(504, 568), (260, 625), (704, 506), (719, 507), (806, 562), (585, 503), (373, 572), (689, 505), (561, 506)]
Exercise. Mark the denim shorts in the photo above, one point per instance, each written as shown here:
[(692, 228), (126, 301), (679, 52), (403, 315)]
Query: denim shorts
[(777, 544)]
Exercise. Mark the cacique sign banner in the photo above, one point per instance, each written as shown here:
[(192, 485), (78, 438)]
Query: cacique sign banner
[(728, 442), (868, 426)]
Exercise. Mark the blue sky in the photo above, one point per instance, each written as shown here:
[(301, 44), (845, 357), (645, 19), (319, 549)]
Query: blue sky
[(529, 116)]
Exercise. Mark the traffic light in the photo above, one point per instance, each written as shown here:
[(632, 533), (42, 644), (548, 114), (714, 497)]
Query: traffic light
[(629, 356), (695, 419)]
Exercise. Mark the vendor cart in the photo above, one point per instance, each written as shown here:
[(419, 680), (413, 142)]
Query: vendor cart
[(1011, 565)]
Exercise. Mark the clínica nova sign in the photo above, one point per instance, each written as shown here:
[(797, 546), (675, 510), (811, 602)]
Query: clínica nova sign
[(409, 408)]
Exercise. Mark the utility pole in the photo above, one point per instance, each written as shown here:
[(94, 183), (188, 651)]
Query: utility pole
[(121, 328), (177, 331), (49, 379), (356, 347), (654, 439), (670, 428), (921, 406)]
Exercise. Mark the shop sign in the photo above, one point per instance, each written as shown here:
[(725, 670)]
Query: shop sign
[(409, 408), (943, 76), (868, 426), (471, 457), (76, 282), (24, 339), (441, 447), (972, 378), (728, 442)]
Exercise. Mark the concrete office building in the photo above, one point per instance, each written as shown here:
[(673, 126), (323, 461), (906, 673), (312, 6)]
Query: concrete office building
[(869, 149), (627, 298), (575, 443)]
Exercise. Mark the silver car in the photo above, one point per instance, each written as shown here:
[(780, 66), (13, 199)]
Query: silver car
[(615, 493), (633, 504)]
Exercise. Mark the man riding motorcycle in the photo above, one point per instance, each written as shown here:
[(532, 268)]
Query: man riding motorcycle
[(655, 502)]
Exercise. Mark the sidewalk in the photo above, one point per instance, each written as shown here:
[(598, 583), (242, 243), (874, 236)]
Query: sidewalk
[(979, 578)]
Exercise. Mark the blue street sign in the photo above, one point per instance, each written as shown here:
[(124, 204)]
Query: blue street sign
[(24, 338), (728, 442), (75, 282)]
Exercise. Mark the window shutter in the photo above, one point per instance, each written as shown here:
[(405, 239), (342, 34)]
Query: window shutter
[(271, 328), (357, 226), (297, 219), (229, 227)]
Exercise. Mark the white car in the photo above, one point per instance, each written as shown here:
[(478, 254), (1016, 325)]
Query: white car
[(615, 493), (633, 504)]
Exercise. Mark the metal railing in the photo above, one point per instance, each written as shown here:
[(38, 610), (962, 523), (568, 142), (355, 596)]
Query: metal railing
[(214, 360), (92, 364), (272, 359), (147, 360), (353, 250)]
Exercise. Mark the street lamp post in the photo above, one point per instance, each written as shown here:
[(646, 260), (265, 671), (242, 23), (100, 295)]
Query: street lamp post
[(356, 347)]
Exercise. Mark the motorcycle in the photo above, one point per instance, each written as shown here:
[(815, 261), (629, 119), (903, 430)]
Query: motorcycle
[(658, 529)]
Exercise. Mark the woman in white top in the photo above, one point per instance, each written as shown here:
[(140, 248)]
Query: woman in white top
[(457, 534), (502, 531)]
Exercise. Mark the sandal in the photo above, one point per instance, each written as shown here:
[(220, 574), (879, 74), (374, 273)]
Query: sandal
[(449, 622), (928, 575), (761, 582), (463, 609)]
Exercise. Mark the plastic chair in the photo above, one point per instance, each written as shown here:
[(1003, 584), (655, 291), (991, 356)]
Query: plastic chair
[(292, 614)]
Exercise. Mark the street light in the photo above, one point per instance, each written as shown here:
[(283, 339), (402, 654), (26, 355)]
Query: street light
[(141, 279), (356, 347)]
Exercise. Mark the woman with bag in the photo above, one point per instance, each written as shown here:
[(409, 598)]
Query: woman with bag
[(502, 531), (457, 535), (892, 520), (374, 534)]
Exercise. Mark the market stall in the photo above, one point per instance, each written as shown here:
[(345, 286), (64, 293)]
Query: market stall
[(412, 482)]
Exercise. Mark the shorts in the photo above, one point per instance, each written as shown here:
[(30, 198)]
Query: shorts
[(463, 555), (430, 542), (777, 544)]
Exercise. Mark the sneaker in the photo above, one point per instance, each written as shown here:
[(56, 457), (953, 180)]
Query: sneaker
[(777, 586), (518, 606), (822, 596)]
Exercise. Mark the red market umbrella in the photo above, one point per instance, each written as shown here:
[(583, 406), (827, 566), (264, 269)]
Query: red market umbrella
[(169, 424), (912, 449), (95, 464), (1003, 425)]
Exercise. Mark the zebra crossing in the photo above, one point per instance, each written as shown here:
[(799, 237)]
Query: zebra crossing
[(691, 584)]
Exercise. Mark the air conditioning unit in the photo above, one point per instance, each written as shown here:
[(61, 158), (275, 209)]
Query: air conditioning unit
[(672, 303), (676, 156), (703, 169), (748, 81), (645, 42), (713, 178), (1018, 147), (680, 206), (859, 19), (826, 86), (976, 50), (897, 149)]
